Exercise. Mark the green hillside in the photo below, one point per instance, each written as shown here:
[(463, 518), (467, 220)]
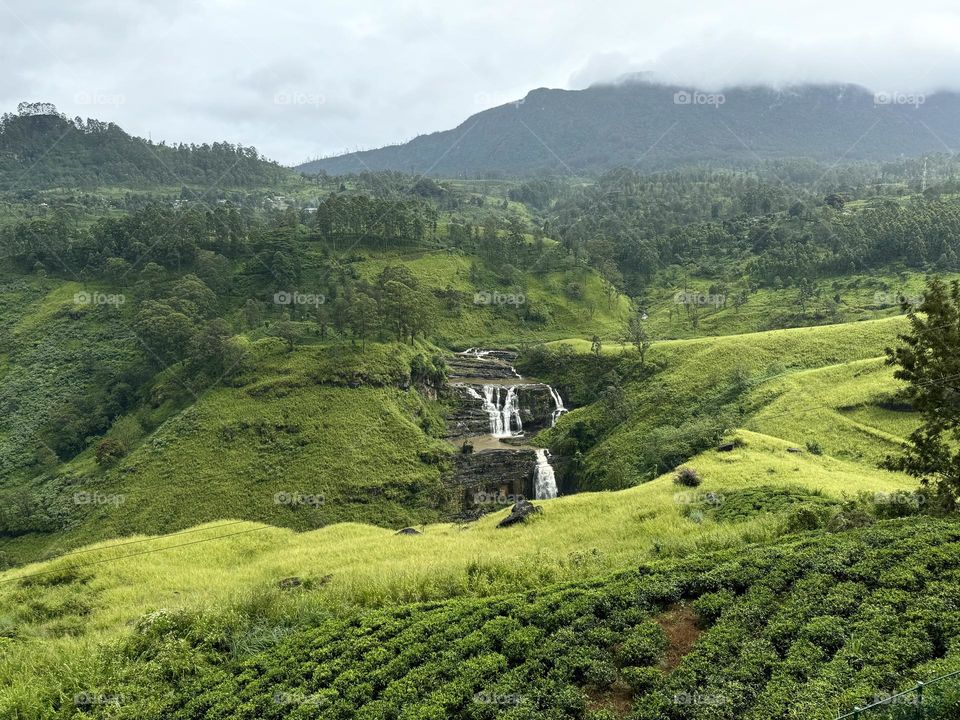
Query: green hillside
[(795, 384)]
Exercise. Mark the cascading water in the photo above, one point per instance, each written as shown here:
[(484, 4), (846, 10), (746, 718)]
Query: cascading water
[(544, 482), (503, 409), (559, 409), (502, 405)]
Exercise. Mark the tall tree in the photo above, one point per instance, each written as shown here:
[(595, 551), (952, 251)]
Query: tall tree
[(928, 361)]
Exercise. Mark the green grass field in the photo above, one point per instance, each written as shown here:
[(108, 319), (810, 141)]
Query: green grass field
[(62, 624)]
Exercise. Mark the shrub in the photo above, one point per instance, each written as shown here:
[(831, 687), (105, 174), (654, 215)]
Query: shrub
[(709, 606), (109, 451), (805, 517), (849, 519), (644, 644), (825, 632), (814, 447), (641, 679), (688, 477)]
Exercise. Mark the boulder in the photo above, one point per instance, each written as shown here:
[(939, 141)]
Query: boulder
[(409, 531), (520, 512)]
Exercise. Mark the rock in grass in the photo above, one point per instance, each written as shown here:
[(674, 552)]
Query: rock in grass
[(520, 512), (409, 531)]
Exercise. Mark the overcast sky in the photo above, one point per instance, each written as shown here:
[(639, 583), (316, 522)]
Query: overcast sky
[(299, 79)]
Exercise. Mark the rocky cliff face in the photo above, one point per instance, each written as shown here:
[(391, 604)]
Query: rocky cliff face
[(468, 416), (492, 365), (492, 477), (484, 389)]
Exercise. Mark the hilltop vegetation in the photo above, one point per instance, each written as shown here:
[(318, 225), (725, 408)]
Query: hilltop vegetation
[(40, 148), (638, 420)]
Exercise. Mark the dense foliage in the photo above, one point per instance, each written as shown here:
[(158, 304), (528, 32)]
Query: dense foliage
[(40, 148), (802, 628)]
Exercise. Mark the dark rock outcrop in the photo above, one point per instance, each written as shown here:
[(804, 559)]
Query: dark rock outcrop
[(408, 531), (485, 365), (490, 475), (520, 512)]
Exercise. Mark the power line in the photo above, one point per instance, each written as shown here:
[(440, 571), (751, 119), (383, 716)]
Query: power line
[(143, 540)]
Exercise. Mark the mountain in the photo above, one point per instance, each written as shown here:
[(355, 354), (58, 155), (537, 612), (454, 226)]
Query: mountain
[(654, 126), (41, 148)]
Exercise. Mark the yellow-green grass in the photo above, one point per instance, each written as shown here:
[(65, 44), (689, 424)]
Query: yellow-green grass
[(837, 408), (775, 369), (60, 625), (592, 314), (861, 298)]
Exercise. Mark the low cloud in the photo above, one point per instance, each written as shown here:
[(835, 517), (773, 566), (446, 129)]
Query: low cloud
[(301, 79)]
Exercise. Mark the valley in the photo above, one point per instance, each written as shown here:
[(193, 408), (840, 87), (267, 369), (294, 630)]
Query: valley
[(640, 444)]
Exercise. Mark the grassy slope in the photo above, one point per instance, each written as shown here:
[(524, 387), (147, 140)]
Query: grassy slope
[(60, 623), (478, 324), (49, 349), (806, 627), (351, 453), (800, 385), (862, 297)]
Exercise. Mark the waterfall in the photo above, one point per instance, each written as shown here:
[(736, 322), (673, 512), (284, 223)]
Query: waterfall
[(559, 409), (485, 355), (476, 352), (502, 408), (544, 482), (511, 410)]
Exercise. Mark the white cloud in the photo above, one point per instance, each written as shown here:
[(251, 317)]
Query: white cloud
[(362, 73)]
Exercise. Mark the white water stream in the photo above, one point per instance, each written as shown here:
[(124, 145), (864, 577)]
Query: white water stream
[(544, 482), (502, 405)]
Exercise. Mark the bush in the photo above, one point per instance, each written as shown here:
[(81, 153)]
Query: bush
[(814, 447), (109, 451), (709, 606), (805, 517), (849, 518), (688, 477), (641, 679), (644, 644)]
